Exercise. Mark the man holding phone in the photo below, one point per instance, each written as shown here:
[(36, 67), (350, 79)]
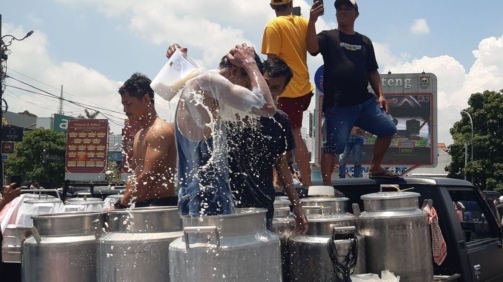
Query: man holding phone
[(284, 38), (350, 65)]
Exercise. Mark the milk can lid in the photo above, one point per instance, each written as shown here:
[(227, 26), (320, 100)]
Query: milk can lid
[(324, 199), (390, 195), (330, 217), (38, 201)]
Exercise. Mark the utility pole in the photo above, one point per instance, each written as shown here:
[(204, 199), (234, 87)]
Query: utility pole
[(471, 125), (2, 77), (466, 157), (60, 111), (3, 57)]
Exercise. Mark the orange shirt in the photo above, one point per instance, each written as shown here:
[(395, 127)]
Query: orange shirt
[(285, 37)]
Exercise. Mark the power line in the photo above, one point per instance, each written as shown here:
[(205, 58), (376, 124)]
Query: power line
[(50, 95), (21, 98), (69, 101), (76, 96)]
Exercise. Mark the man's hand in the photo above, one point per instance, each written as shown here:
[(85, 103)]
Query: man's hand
[(300, 220), (241, 55), (9, 193), (110, 208), (317, 10), (383, 104), (172, 49)]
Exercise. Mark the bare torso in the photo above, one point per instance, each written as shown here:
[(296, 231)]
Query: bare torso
[(162, 138)]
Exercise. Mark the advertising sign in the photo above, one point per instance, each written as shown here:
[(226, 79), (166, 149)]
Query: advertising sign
[(130, 130), (7, 147), (412, 99), (61, 123), (86, 148), (12, 133)]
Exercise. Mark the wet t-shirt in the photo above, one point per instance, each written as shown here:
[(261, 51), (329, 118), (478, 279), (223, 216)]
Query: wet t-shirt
[(201, 140), (254, 151)]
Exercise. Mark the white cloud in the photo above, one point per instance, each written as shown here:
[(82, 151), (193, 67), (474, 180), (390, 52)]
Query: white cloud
[(30, 62), (420, 26), (455, 84), (209, 35)]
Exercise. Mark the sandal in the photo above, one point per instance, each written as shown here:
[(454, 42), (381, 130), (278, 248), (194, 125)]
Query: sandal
[(384, 174)]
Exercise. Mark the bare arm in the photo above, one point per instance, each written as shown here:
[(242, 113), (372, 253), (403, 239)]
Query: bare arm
[(257, 101), (9, 194), (156, 152), (311, 39), (285, 177), (375, 83)]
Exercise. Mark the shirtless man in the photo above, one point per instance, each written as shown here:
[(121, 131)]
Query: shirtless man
[(154, 149)]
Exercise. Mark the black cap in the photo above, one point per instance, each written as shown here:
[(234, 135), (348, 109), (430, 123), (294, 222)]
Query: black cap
[(350, 3)]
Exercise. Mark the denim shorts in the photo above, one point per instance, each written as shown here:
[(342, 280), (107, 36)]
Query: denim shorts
[(368, 116)]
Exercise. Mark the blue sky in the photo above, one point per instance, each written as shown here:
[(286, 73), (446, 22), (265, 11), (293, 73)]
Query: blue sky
[(90, 46)]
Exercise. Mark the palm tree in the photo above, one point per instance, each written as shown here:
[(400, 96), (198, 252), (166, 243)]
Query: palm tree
[(88, 115)]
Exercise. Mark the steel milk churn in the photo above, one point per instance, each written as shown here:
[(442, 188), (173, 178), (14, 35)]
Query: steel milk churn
[(397, 235), (62, 248), (337, 205), (21, 223), (112, 199), (310, 258), (84, 205), (283, 224), (281, 202), (137, 245), (226, 248)]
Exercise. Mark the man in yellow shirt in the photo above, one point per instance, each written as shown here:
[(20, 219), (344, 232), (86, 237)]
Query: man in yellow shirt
[(285, 37)]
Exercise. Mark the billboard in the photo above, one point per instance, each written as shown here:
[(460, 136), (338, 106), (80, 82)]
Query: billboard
[(60, 123), (129, 132), (12, 133), (412, 99), (86, 149)]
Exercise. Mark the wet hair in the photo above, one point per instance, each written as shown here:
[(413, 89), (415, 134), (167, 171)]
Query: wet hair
[(137, 86), (226, 64), (276, 67)]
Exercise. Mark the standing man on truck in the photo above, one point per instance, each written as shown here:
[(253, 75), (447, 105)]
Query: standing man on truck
[(350, 65), (285, 38), (355, 144)]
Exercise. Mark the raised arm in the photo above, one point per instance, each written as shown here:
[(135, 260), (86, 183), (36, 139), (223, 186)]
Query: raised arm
[(258, 100), (311, 39)]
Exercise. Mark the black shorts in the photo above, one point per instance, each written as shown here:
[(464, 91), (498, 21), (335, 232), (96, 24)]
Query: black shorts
[(160, 202)]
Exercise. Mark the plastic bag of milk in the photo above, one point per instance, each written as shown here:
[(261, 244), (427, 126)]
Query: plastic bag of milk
[(176, 72)]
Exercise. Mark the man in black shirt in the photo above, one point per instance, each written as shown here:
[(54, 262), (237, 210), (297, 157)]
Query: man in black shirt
[(255, 148), (349, 65)]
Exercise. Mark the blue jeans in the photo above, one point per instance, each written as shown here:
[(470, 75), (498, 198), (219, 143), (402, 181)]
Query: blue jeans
[(355, 144), (367, 116)]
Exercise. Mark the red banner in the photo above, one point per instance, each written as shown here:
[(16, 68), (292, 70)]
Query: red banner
[(86, 146), (130, 130)]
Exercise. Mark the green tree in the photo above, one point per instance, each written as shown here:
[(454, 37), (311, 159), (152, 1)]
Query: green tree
[(113, 174), (29, 159), (486, 110), (27, 113)]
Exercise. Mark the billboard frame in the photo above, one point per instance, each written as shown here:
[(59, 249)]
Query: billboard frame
[(430, 88)]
